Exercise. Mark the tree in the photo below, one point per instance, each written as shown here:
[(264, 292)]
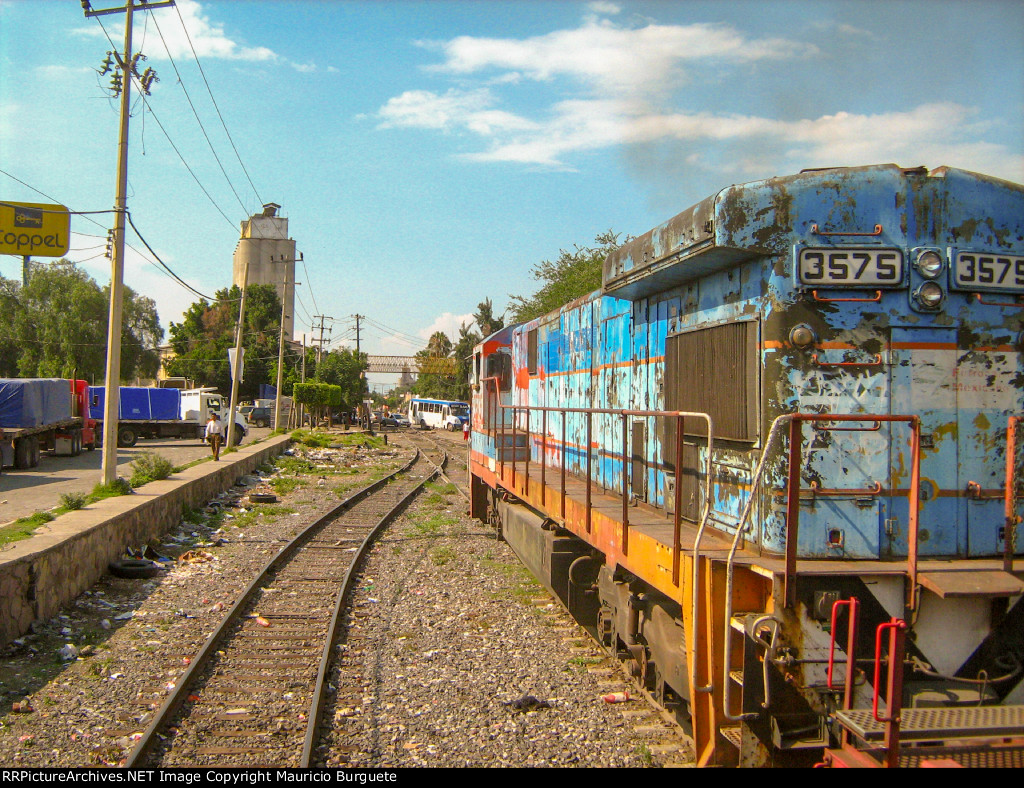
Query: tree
[(572, 275), (463, 354), (10, 312), (435, 384), (344, 368), (320, 398), (202, 339), (57, 326), (485, 319)]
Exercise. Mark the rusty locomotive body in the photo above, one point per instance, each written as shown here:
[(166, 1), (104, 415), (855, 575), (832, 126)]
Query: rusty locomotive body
[(773, 462)]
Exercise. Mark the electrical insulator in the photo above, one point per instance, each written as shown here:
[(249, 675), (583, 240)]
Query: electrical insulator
[(115, 82), (147, 79), (106, 65)]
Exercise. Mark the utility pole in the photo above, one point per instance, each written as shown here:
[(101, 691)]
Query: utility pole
[(121, 81), (302, 416), (280, 347), (280, 369), (237, 365), (358, 318), (320, 342)]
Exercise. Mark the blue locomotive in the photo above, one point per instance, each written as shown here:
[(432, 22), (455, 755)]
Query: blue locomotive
[(773, 462)]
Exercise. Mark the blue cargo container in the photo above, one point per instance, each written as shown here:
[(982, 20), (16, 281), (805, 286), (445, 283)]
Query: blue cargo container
[(154, 413), (36, 415), (33, 403)]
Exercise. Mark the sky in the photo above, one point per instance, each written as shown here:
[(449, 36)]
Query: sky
[(429, 153)]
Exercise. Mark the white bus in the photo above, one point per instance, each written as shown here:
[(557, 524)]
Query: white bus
[(429, 413)]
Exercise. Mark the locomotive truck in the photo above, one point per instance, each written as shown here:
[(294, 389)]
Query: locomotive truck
[(43, 414), (773, 464)]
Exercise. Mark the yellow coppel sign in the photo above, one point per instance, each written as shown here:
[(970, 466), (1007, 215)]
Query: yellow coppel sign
[(34, 229)]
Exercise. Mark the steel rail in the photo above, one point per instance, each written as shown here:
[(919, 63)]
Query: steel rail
[(444, 464), (319, 696), (179, 695)]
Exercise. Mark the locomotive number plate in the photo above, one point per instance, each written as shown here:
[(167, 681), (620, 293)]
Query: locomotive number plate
[(871, 267), (975, 271)]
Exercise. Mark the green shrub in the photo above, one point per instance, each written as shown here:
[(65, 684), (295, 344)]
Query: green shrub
[(117, 487), (73, 500), (149, 467), (319, 440), (295, 464)]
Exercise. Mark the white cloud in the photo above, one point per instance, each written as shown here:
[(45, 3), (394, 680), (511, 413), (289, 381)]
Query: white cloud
[(207, 38), (602, 7), (448, 323), (455, 109), (614, 60), (625, 83)]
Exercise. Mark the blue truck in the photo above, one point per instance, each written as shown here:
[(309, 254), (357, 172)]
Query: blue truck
[(145, 412)]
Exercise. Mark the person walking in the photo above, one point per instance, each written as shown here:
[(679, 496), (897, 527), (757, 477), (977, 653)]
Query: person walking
[(465, 430), (215, 434)]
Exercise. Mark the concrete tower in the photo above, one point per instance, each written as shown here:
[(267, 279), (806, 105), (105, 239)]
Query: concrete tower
[(264, 244)]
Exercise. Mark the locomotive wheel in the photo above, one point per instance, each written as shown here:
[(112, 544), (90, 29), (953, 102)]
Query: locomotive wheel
[(604, 626)]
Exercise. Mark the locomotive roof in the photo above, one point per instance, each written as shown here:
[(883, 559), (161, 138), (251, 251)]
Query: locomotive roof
[(749, 220)]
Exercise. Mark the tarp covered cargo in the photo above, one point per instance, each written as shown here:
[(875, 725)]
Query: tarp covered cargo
[(138, 403), (34, 402)]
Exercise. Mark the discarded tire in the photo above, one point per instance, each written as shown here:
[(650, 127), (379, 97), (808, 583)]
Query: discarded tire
[(262, 498), (133, 569)]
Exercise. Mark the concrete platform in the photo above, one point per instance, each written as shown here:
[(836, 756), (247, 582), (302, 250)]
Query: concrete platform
[(68, 555)]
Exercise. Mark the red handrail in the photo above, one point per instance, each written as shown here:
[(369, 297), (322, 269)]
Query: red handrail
[(1010, 501), (895, 665)]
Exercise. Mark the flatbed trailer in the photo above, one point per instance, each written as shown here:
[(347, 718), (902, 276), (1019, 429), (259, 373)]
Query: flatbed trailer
[(28, 427), (21, 447)]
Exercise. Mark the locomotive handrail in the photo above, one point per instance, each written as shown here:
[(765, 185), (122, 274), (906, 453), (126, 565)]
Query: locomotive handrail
[(816, 231), (624, 414), (851, 655), (876, 362), (795, 420), (977, 297), (894, 686), (1011, 518), (893, 624), (874, 489), (878, 297), (680, 417), (875, 427), (976, 492)]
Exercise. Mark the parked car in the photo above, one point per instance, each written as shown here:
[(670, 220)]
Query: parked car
[(380, 421), (259, 417), (401, 419)]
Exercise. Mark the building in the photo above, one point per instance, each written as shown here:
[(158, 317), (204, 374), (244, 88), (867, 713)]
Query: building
[(270, 255)]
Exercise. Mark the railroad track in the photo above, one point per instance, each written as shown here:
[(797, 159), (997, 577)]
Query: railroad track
[(254, 694), (454, 449)]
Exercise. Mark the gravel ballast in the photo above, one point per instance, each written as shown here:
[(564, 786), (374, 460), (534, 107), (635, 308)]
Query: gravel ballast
[(456, 657)]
